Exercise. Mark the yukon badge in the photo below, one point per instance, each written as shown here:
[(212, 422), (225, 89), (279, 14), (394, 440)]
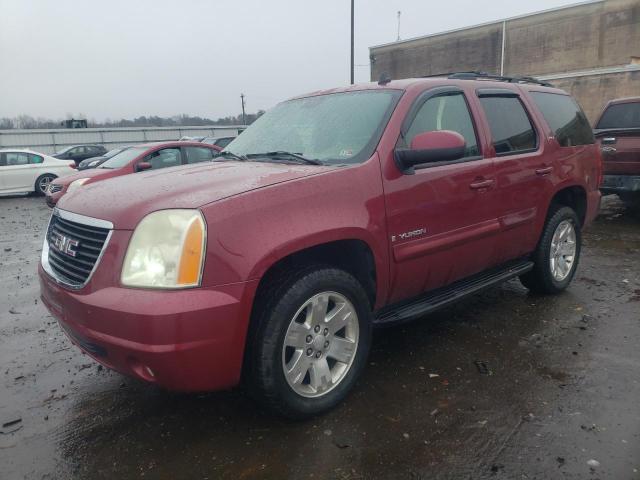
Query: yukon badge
[(408, 235), (64, 244)]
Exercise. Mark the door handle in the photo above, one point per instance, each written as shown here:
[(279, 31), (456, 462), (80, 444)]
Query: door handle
[(609, 149), (544, 171), (478, 184)]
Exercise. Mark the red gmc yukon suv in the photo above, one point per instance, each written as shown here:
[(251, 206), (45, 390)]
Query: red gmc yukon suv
[(334, 212)]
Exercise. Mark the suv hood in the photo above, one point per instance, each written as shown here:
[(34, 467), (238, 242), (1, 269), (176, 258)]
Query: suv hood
[(125, 200)]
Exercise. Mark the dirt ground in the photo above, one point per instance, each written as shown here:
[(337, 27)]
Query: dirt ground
[(504, 385)]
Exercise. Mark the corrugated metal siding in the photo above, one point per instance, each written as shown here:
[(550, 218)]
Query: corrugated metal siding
[(49, 141)]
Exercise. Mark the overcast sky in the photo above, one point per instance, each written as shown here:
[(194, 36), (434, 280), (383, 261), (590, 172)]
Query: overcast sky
[(125, 58)]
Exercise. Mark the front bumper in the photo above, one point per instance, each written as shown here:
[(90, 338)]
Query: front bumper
[(620, 184), (186, 340)]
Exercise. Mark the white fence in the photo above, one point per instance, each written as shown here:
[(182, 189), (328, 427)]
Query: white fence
[(49, 141)]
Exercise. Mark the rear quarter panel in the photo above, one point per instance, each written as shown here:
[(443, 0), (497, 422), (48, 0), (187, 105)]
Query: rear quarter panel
[(577, 166)]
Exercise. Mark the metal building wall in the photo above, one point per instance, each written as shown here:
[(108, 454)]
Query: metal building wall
[(565, 42), (49, 141)]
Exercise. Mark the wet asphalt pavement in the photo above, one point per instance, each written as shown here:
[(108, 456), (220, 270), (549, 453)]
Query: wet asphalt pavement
[(504, 385)]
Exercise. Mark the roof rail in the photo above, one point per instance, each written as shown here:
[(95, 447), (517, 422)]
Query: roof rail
[(477, 75), (498, 78)]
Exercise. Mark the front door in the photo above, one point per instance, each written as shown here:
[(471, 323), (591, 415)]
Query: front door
[(442, 220)]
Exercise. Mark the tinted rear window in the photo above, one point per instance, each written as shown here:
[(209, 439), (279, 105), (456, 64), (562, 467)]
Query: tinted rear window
[(510, 126), (622, 115), (565, 117)]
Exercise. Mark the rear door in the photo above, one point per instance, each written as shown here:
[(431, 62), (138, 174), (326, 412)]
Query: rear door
[(523, 173), (619, 134), (442, 220)]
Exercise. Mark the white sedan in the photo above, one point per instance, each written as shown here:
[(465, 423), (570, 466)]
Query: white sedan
[(24, 171)]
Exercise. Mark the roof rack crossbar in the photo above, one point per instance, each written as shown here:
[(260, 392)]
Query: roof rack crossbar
[(475, 75)]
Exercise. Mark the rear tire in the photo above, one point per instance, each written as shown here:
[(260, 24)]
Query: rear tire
[(557, 255), (312, 341), (42, 183)]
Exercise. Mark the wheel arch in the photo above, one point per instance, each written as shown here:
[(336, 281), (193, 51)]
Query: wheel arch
[(354, 255), (573, 196)]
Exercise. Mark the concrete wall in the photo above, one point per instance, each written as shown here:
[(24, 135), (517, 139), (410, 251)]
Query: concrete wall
[(594, 91), (49, 141), (577, 38), (476, 49), (589, 36)]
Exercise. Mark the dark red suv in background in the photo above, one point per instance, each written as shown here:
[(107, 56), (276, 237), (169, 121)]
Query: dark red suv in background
[(146, 156), (332, 213)]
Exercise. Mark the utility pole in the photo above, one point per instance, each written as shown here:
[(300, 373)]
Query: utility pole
[(399, 13), (242, 100), (352, 61)]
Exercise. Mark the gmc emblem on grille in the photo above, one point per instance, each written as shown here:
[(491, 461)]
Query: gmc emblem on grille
[(64, 244)]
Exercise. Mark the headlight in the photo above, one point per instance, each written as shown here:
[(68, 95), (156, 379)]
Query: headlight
[(76, 183), (166, 250)]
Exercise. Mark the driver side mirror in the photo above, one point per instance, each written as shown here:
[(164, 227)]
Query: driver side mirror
[(429, 147), (142, 166)]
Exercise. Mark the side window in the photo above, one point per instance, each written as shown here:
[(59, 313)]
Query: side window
[(198, 154), (16, 158), (3, 159), (445, 112), (35, 158), (565, 117), (510, 126), (167, 157)]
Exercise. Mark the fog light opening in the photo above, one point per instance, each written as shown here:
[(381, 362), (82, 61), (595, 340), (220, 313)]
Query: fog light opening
[(145, 372)]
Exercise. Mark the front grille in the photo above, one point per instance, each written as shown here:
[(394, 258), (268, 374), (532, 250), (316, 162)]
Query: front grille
[(74, 249), (54, 188)]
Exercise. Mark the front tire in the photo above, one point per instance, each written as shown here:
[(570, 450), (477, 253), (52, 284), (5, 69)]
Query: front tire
[(312, 342), (557, 255), (42, 183)]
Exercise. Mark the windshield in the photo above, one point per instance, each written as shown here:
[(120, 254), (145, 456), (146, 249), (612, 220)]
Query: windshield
[(123, 158), (337, 128)]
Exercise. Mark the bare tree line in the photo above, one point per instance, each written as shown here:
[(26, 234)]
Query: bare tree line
[(29, 122)]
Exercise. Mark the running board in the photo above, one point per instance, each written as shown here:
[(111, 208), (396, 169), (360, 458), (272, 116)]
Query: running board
[(444, 296)]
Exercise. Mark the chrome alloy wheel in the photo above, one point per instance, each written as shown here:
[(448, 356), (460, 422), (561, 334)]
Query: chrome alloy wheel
[(320, 344), (563, 250), (43, 184)]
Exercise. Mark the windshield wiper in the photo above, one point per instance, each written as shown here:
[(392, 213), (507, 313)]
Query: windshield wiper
[(288, 155), (228, 154)]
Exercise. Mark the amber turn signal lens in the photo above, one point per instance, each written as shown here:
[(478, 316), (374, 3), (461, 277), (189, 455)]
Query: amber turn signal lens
[(191, 258)]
